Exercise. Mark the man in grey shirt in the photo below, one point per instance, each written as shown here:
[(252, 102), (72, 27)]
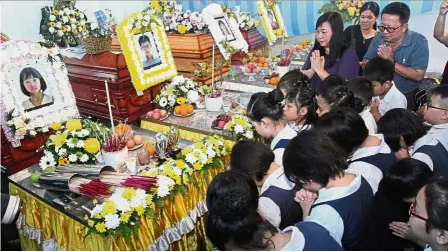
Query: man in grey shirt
[(407, 49)]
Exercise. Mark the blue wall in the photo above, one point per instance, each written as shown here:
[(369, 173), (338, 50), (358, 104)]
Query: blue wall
[(300, 16)]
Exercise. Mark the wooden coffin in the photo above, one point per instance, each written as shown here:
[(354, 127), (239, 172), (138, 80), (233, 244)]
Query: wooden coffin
[(189, 49), (87, 77), (29, 153), (256, 42)]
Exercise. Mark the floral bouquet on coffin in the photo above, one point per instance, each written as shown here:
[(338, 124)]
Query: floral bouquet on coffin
[(180, 91), (75, 142), (65, 26), (240, 127), (24, 127), (349, 10)]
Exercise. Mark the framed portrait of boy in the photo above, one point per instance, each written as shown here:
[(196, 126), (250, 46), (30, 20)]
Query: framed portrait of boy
[(35, 90), (225, 30), (146, 50), (271, 20)]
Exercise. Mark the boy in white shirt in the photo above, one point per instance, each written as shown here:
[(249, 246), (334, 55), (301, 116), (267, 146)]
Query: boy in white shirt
[(363, 90), (381, 73)]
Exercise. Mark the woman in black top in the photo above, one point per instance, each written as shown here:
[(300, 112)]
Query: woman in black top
[(360, 36)]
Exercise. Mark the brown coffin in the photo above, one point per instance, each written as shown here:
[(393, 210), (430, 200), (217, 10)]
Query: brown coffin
[(87, 77), (255, 40)]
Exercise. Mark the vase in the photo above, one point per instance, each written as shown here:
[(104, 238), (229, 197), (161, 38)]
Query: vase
[(282, 70), (115, 158), (213, 104)]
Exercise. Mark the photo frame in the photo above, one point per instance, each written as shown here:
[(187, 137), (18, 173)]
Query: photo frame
[(35, 90), (272, 20), (147, 52), (225, 31)]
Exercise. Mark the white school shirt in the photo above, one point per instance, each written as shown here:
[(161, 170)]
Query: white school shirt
[(393, 99), (285, 133), (438, 133), (266, 206), (371, 173), (369, 121), (299, 127), (297, 242), (327, 216)]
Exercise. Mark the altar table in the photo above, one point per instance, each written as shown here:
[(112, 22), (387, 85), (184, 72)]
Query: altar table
[(46, 225)]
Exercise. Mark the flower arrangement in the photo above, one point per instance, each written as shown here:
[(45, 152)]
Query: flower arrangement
[(349, 10), (163, 7), (270, 3), (120, 214), (240, 127), (246, 21), (180, 91), (76, 141), (184, 22), (228, 47), (24, 127), (64, 26), (145, 22)]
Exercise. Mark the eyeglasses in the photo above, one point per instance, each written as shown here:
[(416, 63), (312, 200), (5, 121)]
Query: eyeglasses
[(412, 213), (428, 105), (382, 28)]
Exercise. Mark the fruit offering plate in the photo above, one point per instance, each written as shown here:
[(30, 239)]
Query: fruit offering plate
[(136, 147), (220, 122), (136, 141), (158, 114), (182, 116)]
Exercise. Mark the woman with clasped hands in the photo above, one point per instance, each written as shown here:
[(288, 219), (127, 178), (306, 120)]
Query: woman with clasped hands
[(330, 54)]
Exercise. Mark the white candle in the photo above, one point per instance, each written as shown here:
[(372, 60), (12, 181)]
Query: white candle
[(110, 108), (213, 68)]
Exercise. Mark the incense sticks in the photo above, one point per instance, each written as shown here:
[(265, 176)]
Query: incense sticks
[(122, 179), (92, 188)]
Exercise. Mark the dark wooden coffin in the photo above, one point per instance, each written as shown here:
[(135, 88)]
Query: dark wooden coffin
[(87, 77)]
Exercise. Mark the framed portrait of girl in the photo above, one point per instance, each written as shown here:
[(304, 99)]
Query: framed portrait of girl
[(271, 20)]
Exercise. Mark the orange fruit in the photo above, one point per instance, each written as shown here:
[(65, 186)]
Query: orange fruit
[(190, 108), (149, 148), (260, 64), (177, 110), (262, 60), (118, 131), (184, 111), (274, 81), (265, 64)]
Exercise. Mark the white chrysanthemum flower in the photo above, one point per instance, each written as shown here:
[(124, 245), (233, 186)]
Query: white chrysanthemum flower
[(97, 209), (112, 221), (190, 158), (203, 158), (210, 152), (83, 22), (193, 96), (146, 17), (81, 15), (164, 184), (58, 24), (121, 204), (249, 134), (33, 133), (80, 144), (163, 102), (52, 18), (139, 16), (72, 20), (65, 19), (60, 33), (62, 152), (84, 158), (238, 129), (70, 143), (72, 158), (45, 162)]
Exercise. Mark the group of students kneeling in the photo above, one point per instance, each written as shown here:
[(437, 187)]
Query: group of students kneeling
[(336, 176)]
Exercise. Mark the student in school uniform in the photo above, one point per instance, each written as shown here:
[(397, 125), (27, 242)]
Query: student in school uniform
[(367, 155), (435, 151), (397, 191), (363, 90), (300, 108), (233, 222), (276, 203), (344, 206), (265, 110), (387, 96)]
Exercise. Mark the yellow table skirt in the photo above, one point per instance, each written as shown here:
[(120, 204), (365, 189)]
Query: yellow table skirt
[(44, 227)]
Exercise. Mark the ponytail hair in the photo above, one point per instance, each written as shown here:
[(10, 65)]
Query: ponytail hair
[(304, 97), (336, 93), (263, 105)]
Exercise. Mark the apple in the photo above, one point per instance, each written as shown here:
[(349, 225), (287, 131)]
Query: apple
[(221, 124), (149, 114), (131, 136), (156, 110), (247, 69), (156, 116), (163, 113), (138, 139), (130, 143)]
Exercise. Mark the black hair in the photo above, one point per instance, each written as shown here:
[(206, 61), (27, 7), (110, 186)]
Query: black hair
[(29, 72), (335, 92), (337, 42), (313, 156), (143, 39), (399, 122), (251, 158), (304, 97), (441, 90), (380, 70), (405, 178), (293, 79), (263, 105), (436, 194), (373, 7), (345, 127), (361, 88), (398, 9), (233, 222)]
